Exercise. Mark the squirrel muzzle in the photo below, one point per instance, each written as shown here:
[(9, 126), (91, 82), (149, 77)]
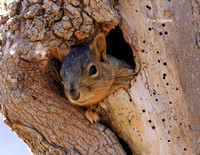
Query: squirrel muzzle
[(74, 94)]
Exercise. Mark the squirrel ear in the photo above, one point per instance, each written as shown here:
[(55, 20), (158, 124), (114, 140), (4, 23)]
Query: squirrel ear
[(59, 54), (98, 47)]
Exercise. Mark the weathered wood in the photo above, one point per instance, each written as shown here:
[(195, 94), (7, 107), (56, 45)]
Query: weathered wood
[(161, 118)]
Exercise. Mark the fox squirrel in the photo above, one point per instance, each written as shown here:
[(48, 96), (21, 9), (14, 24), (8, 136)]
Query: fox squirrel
[(88, 75)]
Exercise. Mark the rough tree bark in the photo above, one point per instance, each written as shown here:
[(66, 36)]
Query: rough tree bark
[(30, 101), (160, 115)]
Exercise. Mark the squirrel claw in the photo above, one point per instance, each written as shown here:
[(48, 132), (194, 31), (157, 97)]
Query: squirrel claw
[(91, 116)]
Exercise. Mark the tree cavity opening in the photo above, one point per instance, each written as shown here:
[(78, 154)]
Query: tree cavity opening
[(117, 47)]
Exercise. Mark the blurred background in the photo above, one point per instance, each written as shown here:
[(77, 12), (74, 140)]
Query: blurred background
[(10, 144)]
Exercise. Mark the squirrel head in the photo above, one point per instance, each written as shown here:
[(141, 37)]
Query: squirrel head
[(86, 74)]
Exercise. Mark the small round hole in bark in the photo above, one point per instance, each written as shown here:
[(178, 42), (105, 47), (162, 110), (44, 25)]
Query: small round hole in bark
[(185, 149), (143, 51), (143, 110), (170, 102), (165, 64), (167, 84), (117, 47), (158, 61), (149, 121), (157, 100), (144, 41), (148, 7), (166, 33), (157, 52), (164, 75), (163, 25), (168, 141), (160, 33), (153, 127), (150, 29), (176, 88), (163, 119), (136, 10)]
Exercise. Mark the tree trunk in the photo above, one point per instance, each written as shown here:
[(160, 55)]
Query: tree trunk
[(159, 115), (30, 100)]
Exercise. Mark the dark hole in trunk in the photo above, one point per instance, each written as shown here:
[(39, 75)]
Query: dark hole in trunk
[(117, 47), (124, 146)]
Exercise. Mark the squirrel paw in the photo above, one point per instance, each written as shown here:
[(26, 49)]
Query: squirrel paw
[(91, 115)]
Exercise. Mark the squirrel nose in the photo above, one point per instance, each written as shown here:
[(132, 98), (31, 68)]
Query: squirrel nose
[(74, 94)]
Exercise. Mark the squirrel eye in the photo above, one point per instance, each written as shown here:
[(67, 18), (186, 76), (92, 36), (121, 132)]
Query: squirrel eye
[(93, 70)]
